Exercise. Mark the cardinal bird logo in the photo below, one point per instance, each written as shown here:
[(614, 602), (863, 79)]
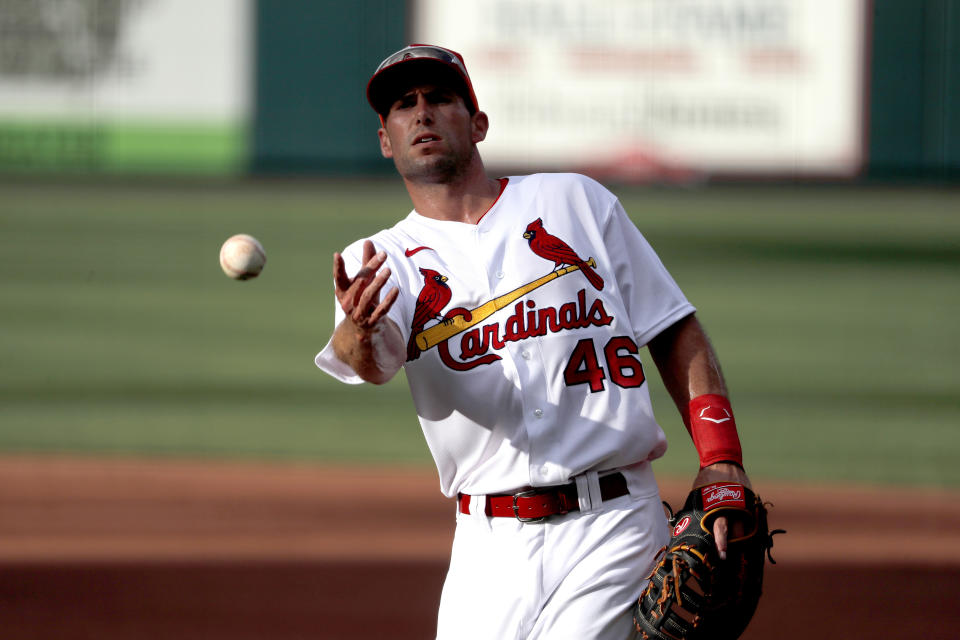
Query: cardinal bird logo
[(434, 296), (559, 252)]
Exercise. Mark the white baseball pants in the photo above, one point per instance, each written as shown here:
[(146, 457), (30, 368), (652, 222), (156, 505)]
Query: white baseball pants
[(572, 577)]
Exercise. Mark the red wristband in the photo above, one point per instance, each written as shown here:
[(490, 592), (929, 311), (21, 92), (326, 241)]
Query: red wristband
[(714, 431)]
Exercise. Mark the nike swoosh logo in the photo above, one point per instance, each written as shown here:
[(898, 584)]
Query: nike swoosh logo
[(410, 252)]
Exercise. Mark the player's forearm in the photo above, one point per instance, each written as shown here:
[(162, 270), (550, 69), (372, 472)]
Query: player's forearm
[(687, 363), (691, 373), (376, 355)]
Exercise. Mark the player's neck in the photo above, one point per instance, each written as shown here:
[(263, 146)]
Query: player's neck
[(464, 200)]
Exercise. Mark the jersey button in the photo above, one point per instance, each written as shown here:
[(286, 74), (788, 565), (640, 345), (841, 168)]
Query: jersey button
[(538, 413), (525, 355), (500, 274)]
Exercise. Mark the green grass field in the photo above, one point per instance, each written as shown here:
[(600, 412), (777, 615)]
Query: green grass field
[(834, 311)]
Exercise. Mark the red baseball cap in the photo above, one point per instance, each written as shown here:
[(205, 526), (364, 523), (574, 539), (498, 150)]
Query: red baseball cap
[(420, 62)]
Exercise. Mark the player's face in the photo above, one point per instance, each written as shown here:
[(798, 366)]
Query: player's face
[(430, 134)]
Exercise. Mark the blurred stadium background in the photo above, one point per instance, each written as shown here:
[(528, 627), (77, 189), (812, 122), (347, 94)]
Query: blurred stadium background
[(795, 163)]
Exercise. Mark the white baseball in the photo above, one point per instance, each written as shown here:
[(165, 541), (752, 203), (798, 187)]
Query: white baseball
[(242, 257)]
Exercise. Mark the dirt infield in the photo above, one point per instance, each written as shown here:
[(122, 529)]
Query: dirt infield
[(146, 549)]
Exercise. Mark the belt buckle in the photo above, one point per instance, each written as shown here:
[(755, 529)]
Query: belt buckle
[(529, 493)]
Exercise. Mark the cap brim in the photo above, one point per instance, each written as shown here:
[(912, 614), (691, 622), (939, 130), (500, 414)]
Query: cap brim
[(387, 86)]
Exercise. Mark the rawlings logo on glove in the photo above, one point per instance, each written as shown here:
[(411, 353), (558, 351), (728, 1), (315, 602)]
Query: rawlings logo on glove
[(726, 495), (694, 595)]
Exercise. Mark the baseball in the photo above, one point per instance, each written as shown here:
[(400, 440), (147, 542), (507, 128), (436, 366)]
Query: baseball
[(242, 257)]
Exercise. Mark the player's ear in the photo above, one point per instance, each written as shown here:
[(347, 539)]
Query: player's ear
[(385, 148), (479, 124)]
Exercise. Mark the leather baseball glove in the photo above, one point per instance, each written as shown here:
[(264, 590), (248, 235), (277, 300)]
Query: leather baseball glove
[(692, 594)]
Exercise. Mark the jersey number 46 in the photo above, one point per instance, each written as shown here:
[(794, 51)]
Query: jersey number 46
[(620, 355)]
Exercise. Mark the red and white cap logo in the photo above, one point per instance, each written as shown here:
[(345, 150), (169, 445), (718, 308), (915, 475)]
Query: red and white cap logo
[(722, 495)]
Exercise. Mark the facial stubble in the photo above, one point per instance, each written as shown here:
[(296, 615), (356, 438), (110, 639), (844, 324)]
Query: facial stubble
[(435, 168)]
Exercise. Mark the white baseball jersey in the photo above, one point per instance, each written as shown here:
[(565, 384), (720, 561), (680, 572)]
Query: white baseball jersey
[(523, 334)]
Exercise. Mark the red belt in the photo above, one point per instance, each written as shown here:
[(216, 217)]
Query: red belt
[(536, 505)]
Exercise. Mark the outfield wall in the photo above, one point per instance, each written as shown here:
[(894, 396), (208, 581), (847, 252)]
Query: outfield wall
[(914, 120), (630, 89), (125, 86), (313, 61)]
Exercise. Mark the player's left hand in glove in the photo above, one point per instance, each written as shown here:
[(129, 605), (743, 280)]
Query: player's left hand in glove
[(694, 595)]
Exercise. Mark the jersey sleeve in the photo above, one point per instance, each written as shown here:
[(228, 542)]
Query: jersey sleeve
[(327, 359), (652, 297)]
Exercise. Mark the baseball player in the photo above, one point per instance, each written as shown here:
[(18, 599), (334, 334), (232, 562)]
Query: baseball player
[(517, 307)]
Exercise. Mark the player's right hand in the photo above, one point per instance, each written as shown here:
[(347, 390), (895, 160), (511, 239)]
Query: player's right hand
[(359, 297)]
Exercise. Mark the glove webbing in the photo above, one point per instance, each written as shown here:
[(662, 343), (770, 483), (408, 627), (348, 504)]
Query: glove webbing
[(680, 575)]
